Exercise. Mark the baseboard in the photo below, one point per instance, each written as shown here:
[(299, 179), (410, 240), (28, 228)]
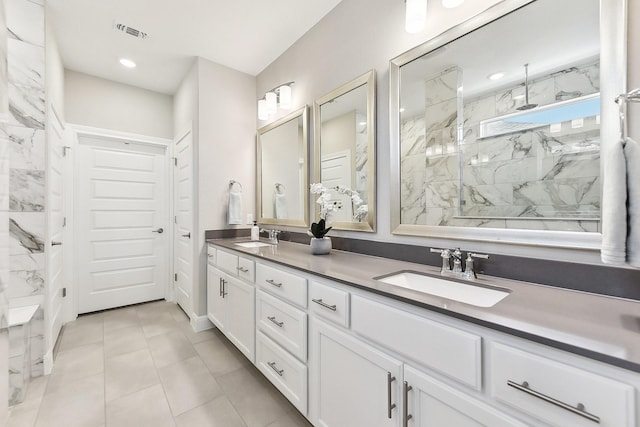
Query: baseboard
[(200, 323), (47, 360)]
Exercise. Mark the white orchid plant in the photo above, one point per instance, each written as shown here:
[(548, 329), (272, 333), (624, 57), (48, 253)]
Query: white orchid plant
[(328, 206)]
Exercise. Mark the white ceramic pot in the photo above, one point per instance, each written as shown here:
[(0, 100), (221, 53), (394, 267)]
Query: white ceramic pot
[(320, 246)]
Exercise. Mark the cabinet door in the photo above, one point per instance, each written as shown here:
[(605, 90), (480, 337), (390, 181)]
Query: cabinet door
[(215, 300), (431, 403), (240, 316), (351, 383)]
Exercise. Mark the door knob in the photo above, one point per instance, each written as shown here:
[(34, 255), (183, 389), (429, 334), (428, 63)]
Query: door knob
[(188, 235), (159, 230)]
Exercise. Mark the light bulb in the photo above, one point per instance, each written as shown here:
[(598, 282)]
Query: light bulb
[(415, 16), (285, 97), (272, 102), (262, 110)]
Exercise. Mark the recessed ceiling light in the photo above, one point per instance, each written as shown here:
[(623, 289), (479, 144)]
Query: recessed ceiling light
[(402, 110), (127, 63), (496, 76), (449, 4)]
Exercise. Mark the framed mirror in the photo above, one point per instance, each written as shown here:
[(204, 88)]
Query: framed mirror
[(282, 171), (344, 149), (497, 124)]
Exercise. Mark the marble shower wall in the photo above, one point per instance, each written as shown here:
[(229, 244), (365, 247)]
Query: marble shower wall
[(544, 178), (26, 175), (4, 174), (362, 157)]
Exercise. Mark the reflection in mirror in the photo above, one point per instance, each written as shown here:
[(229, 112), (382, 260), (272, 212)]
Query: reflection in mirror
[(499, 127), (282, 171), (344, 123)]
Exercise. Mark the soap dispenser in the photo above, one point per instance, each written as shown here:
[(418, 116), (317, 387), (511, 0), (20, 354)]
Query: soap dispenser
[(255, 231)]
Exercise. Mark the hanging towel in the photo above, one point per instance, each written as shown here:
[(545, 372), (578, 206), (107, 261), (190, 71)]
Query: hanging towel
[(621, 205), (280, 201), (235, 207), (632, 157)]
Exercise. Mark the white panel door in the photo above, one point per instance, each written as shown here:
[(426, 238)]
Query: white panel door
[(55, 230), (122, 218), (183, 227), (336, 170)]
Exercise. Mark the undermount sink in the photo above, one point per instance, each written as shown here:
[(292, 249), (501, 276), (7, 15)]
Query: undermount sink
[(252, 244), (474, 294)]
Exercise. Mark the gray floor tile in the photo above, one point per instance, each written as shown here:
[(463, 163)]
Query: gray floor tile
[(76, 363), (121, 318), (124, 340), (219, 358), (75, 404), (217, 413), (188, 384), (147, 407), (128, 373)]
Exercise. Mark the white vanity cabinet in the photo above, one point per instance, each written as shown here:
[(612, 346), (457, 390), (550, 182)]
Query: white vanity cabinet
[(231, 302)]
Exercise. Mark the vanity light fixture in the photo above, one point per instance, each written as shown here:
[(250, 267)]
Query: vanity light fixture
[(415, 16), (127, 63), (450, 4), (278, 97)]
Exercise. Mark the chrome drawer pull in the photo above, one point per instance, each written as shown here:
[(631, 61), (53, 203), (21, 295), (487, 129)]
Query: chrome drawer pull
[(274, 321), (274, 283), (578, 410), (243, 270), (324, 304), (406, 416), (390, 406), (273, 366)]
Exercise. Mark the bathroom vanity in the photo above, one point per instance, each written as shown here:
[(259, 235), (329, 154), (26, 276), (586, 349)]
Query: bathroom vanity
[(348, 349)]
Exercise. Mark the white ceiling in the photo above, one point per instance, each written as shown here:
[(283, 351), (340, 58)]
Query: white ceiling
[(246, 35)]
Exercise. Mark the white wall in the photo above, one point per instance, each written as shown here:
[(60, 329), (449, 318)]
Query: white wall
[(359, 35), (54, 74), (92, 101), (221, 104)]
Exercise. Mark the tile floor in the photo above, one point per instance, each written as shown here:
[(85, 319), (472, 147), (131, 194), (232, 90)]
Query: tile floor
[(144, 366)]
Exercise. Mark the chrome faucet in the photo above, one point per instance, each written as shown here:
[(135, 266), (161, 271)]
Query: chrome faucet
[(273, 235), (452, 263)]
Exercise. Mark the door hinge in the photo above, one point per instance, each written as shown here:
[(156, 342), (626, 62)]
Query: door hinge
[(64, 221), (64, 150), (64, 292), (175, 161), (175, 277), (175, 219)]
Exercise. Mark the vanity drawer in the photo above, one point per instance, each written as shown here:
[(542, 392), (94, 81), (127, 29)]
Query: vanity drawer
[(227, 261), (330, 303), (446, 349), (283, 284), (211, 255), (551, 384), (246, 269), (287, 373), (284, 323)]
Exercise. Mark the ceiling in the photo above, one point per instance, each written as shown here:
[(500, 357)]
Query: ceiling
[(246, 35)]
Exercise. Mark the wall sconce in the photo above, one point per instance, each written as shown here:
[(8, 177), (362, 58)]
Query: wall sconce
[(279, 96), (415, 16)]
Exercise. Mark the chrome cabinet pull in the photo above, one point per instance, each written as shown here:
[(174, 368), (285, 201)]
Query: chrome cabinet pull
[(274, 321), (274, 283), (274, 367), (390, 406), (224, 290), (210, 255), (324, 304), (56, 243), (243, 270), (406, 416), (220, 287), (188, 235), (578, 410)]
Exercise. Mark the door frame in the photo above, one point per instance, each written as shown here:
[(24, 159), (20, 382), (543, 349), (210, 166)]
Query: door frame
[(81, 130)]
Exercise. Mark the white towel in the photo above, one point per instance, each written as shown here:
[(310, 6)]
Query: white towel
[(632, 157), (280, 201), (621, 204), (235, 207)]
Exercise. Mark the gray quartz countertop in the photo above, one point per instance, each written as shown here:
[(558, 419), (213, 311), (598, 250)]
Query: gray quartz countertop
[(599, 327)]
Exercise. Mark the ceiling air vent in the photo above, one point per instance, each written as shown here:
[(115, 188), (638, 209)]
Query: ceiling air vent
[(130, 30)]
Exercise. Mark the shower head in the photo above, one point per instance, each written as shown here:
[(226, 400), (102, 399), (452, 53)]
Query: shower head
[(526, 105)]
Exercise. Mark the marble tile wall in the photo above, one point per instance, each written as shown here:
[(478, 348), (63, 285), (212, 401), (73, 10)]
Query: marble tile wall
[(545, 178), (362, 157), (26, 173)]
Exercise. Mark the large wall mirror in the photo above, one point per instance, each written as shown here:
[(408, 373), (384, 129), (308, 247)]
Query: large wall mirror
[(497, 125), (344, 142), (282, 171)]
